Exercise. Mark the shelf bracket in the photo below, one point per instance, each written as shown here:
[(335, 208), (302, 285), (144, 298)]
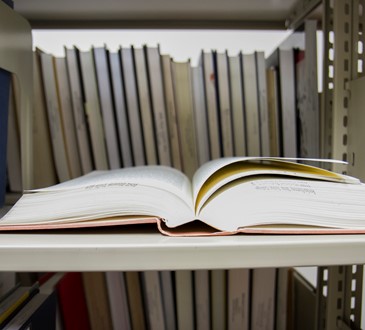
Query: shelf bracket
[(339, 294)]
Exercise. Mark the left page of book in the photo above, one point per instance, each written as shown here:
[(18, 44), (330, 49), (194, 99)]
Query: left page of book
[(156, 191)]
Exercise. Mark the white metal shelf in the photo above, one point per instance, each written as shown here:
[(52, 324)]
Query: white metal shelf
[(108, 251)]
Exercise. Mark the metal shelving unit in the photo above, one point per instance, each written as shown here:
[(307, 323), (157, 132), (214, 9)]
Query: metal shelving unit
[(342, 24)]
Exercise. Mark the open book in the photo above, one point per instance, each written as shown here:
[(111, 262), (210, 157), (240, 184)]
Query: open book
[(226, 196)]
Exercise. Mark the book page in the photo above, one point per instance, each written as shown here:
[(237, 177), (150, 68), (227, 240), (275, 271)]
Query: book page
[(161, 177), (285, 201), (153, 191), (217, 173)]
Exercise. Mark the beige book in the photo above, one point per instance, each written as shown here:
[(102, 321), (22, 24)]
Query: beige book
[(81, 125), (181, 74), (263, 299), (262, 102), (154, 68), (224, 104), (134, 115), (145, 107), (175, 144), (93, 111), (134, 292), (97, 301), (14, 169), (106, 105), (202, 299), (152, 292), (251, 105), (238, 110), (273, 110), (54, 118), (206, 61), (44, 169), (118, 300), (218, 284), (69, 128), (238, 299), (201, 120), (120, 109), (184, 299)]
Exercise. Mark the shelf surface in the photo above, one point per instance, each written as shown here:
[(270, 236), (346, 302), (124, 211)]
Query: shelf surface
[(158, 13), (145, 250)]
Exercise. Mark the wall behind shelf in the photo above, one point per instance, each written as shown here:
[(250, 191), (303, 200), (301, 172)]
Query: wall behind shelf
[(180, 44)]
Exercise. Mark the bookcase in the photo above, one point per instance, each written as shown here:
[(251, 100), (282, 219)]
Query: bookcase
[(343, 24)]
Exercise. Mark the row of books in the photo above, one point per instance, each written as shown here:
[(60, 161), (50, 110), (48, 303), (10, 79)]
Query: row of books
[(256, 299), (183, 299), (29, 306), (101, 109)]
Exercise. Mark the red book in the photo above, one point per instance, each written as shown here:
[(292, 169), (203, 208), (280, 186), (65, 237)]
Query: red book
[(71, 298)]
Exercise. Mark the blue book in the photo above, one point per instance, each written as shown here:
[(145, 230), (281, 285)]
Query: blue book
[(5, 78)]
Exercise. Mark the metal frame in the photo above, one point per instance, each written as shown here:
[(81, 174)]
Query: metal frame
[(339, 288)]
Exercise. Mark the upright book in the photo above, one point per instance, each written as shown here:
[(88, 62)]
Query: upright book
[(252, 195), (102, 70), (183, 91), (120, 109), (44, 169), (93, 111), (133, 110), (56, 126), (67, 117), (144, 98), (5, 79), (155, 78), (77, 101)]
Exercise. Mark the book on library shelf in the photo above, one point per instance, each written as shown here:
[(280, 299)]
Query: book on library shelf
[(226, 196)]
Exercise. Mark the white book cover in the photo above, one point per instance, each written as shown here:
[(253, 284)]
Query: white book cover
[(106, 105), (158, 104), (134, 116), (120, 109)]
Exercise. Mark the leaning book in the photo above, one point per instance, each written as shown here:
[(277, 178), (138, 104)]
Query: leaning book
[(226, 196)]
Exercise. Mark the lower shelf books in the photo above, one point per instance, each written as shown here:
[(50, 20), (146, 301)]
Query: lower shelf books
[(227, 196), (39, 313)]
